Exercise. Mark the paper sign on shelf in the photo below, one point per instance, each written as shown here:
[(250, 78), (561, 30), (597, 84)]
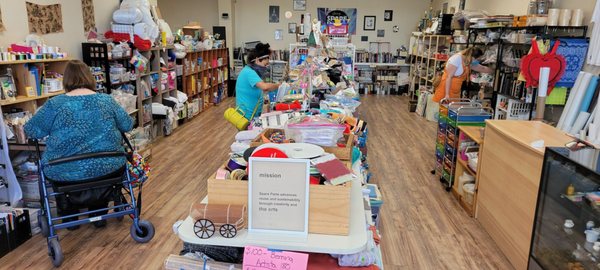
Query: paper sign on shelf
[(258, 258)]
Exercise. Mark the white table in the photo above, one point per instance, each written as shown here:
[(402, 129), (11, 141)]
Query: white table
[(355, 242)]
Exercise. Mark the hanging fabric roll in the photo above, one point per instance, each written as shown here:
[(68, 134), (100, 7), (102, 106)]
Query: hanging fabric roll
[(574, 103), (594, 52), (570, 100), (589, 94), (579, 123)]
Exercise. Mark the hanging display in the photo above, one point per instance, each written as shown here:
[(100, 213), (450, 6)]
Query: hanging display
[(89, 21), (324, 14), (273, 14), (531, 64), (44, 19)]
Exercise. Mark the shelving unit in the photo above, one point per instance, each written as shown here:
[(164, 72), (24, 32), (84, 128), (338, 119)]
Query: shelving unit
[(467, 134), (427, 62), (20, 73), (505, 77), (205, 76)]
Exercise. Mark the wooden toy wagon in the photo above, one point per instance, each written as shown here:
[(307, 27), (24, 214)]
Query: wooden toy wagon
[(229, 218)]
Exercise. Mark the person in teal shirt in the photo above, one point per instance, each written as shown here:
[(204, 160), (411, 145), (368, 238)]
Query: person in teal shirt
[(80, 122), (250, 85)]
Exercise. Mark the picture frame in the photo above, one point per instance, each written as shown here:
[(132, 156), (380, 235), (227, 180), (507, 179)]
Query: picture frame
[(273, 14), (380, 33), (299, 5), (369, 23), (279, 34), (292, 28), (388, 15)]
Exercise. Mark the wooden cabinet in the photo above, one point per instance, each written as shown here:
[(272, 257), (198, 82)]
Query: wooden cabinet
[(472, 134), (510, 170)]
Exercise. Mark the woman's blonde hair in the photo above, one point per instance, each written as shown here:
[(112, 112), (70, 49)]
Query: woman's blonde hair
[(78, 75)]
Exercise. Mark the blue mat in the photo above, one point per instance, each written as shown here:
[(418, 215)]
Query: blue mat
[(574, 51)]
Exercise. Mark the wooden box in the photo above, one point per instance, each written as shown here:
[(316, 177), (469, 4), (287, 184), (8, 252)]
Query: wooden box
[(342, 153), (329, 206)]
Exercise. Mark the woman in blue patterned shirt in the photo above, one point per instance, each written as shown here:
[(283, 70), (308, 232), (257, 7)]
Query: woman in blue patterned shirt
[(80, 122)]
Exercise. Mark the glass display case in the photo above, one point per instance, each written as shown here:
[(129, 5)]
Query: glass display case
[(567, 219)]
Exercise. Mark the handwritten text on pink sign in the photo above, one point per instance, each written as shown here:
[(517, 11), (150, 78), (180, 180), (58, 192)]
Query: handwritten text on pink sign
[(258, 258)]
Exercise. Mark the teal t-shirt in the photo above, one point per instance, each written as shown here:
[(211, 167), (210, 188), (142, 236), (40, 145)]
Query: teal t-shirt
[(247, 95)]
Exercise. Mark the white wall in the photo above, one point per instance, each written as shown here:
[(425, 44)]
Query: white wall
[(515, 7), (179, 12), (251, 22), (14, 16)]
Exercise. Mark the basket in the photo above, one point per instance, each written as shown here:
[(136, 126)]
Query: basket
[(469, 193), (515, 109)]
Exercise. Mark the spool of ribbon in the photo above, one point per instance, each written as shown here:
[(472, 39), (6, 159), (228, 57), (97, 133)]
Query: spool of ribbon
[(236, 163), (238, 174), (223, 174)]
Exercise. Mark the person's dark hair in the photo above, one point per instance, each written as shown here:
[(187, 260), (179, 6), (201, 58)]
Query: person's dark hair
[(78, 75), (260, 50), (477, 52)]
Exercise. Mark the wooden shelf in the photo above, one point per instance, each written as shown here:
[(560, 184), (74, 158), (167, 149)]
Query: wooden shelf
[(149, 73), (473, 133), (134, 111), (21, 99), (34, 61), (466, 166), (120, 58)]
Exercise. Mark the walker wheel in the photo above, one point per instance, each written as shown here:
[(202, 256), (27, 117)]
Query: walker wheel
[(228, 231), (204, 228), (146, 234), (55, 252)]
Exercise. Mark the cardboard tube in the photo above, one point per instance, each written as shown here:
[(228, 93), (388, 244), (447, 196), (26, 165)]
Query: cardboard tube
[(540, 108)]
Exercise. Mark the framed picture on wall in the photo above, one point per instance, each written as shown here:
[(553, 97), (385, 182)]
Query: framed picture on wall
[(292, 28), (387, 15), (380, 33), (299, 4), (273, 14), (279, 34), (369, 23)]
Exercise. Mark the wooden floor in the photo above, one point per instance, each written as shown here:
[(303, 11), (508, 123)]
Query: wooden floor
[(423, 227)]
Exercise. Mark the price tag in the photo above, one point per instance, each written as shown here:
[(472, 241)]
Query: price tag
[(258, 258)]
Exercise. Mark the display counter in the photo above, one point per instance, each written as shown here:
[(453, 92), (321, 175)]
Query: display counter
[(510, 173)]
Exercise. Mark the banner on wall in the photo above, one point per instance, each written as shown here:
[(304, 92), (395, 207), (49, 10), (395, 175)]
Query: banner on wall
[(338, 21)]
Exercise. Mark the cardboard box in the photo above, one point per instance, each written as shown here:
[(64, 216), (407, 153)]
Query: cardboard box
[(329, 206)]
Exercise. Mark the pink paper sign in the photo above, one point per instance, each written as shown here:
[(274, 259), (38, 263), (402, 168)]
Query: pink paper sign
[(258, 258)]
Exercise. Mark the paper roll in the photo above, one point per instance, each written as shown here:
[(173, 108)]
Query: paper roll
[(574, 90), (553, 15), (589, 94), (543, 83), (579, 123), (576, 105), (564, 18), (577, 18)]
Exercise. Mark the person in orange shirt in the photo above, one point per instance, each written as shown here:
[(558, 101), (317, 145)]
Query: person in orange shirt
[(458, 69)]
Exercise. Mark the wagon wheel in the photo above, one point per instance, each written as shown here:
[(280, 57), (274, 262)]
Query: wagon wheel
[(228, 231), (204, 228)]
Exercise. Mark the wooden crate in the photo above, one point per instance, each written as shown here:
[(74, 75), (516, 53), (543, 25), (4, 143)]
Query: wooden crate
[(329, 206), (342, 153)]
